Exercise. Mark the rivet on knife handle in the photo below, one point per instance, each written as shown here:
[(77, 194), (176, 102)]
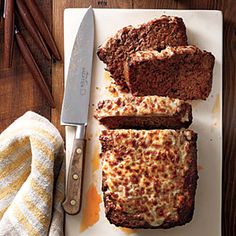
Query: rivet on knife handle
[(72, 203)]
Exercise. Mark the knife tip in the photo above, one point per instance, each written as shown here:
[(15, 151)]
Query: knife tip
[(90, 8)]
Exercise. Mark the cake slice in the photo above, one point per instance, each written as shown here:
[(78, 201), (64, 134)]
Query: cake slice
[(183, 72), (148, 112), (149, 178), (154, 35)]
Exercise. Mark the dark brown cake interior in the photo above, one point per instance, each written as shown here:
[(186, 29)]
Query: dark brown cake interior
[(154, 35), (186, 76)]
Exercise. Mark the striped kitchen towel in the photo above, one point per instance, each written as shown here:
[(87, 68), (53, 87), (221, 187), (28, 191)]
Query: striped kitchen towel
[(31, 178)]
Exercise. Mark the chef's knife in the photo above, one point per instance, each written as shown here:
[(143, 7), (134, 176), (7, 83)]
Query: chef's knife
[(75, 107)]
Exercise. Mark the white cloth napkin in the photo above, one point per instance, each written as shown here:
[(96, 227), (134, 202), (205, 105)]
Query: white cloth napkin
[(32, 175)]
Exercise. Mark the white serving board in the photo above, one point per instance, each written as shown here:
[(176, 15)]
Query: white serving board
[(204, 29)]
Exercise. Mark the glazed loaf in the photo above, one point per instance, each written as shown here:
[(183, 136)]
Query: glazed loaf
[(183, 72), (149, 178), (148, 112), (154, 35)]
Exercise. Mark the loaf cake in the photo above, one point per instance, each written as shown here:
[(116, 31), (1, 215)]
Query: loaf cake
[(149, 178), (154, 35), (183, 72), (147, 112)]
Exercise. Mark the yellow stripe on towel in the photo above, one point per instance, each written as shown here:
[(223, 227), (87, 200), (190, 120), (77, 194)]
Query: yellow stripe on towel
[(43, 170), (3, 211), (45, 150), (46, 197), (38, 214), (34, 126), (15, 145), (12, 187), (23, 220), (10, 168), (51, 138)]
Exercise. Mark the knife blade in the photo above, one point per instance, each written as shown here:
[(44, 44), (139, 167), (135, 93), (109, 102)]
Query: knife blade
[(76, 105)]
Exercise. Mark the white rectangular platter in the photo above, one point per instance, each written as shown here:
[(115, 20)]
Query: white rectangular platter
[(204, 29)]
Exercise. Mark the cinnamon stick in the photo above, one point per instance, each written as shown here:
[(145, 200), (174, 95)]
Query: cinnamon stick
[(9, 16), (1, 10), (31, 27), (33, 67), (43, 28)]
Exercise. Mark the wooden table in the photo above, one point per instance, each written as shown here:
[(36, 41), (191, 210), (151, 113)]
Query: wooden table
[(19, 92)]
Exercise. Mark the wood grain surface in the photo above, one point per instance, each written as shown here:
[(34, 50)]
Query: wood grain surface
[(18, 90), (19, 93)]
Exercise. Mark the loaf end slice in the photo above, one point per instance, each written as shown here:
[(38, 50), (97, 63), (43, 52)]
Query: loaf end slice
[(149, 178)]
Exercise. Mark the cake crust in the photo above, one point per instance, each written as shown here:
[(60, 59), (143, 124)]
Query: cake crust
[(167, 199)]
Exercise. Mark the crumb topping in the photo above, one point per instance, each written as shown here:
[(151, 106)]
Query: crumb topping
[(138, 106), (165, 53), (145, 171)]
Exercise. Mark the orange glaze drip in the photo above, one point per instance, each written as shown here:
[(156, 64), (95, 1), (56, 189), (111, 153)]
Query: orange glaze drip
[(107, 76), (216, 107), (95, 160), (90, 214), (127, 230), (199, 168)]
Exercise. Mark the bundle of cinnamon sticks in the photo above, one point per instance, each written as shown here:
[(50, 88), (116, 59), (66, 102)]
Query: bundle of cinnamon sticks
[(28, 12)]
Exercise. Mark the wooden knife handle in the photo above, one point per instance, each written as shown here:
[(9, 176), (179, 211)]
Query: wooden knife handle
[(72, 203)]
